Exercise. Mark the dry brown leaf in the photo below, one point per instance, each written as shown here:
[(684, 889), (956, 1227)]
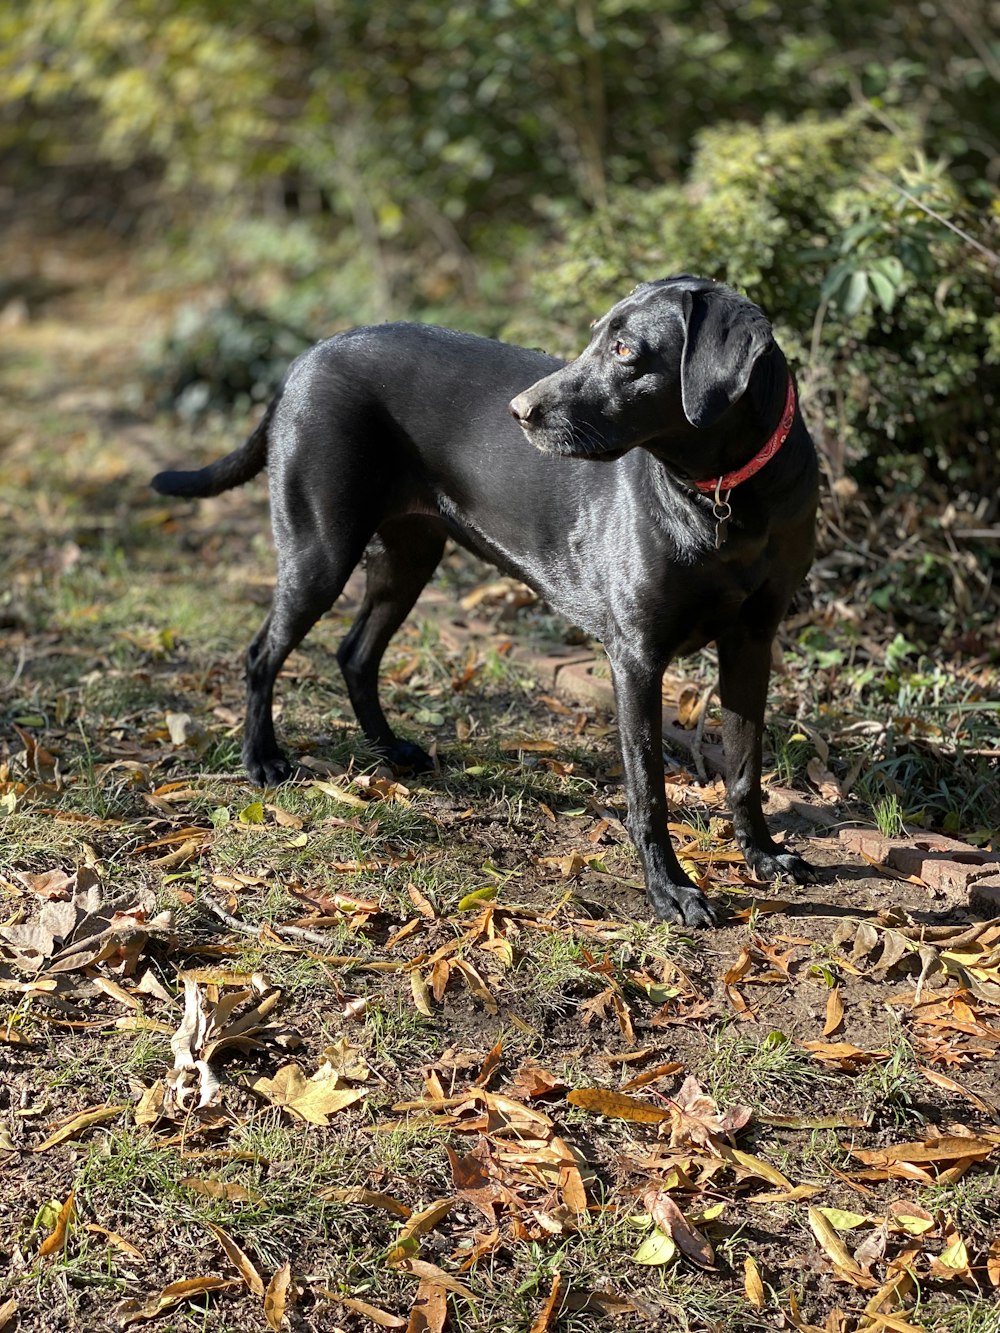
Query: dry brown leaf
[(652, 1075), (239, 1259), (672, 1222), (993, 1263), (230, 1190), (56, 1239), (617, 1105), (175, 1293), (550, 1310), (532, 1080), (382, 1318), (421, 902), (419, 1224), (947, 1148), (952, 1085), (420, 1268), (8, 1313), (76, 1124), (368, 1198), (429, 1311), (276, 1297), (835, 1248), (695, 1118), (113, 1238), (311, 1099), (834, 1012)]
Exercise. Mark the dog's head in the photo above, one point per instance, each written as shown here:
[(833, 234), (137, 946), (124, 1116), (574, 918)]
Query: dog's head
[(662, 369)]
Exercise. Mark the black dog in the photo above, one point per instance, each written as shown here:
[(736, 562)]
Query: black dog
[(385, 441)]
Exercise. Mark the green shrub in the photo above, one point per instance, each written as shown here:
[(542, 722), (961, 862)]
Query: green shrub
[(221, 357), (839, 229)]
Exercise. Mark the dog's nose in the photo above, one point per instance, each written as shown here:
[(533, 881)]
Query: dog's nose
[(522, 408)]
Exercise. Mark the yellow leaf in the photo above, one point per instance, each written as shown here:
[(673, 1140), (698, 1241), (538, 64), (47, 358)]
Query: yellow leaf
[(617, 1105), (658, 1248), (477, 897), (421, 994), (841, 1220), (339, 794), (309, 1099), (753, 1285), (757, 1166), (955, 1256)]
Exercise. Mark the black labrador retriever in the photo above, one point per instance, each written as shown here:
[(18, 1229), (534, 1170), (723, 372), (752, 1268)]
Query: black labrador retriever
[(659, 491)]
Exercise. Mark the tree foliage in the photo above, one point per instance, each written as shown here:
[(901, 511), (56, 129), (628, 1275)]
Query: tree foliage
[(854, 242)]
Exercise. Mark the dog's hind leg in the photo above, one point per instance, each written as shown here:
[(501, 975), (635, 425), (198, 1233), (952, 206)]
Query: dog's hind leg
[(744, 668), (398, 563), (310, 579)]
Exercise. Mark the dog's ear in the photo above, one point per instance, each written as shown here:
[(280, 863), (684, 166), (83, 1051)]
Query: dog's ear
[(722, 344)]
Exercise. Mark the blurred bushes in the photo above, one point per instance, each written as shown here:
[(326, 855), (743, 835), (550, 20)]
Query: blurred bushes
[(222, 357), (840, 230)]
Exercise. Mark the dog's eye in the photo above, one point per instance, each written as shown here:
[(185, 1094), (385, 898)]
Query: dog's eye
[(622, 350)]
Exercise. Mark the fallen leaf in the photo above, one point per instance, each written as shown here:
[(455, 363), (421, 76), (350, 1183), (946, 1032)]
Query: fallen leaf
[(753, 1285), (658, 1248), (429, 1310), (113, 1238), (56, 1239), (132, 1311), (229, 1190), (834, 1012), (310, 1099), (239, 1259), (76, 1124), (276, 1297), (382, 1318), (550, 1310), (835, 1248), (669, 1219), (432, 1273), (418, 1224), (617, 1105), (367, 1198)]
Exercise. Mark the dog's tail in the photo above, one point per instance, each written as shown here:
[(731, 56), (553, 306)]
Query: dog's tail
[(233, 470)]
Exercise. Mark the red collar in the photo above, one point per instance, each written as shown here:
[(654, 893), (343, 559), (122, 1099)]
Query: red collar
[(730, 479)]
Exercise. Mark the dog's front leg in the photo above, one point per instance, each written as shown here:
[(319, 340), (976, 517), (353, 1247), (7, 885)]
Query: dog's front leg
[(744, 669), (640, 728)]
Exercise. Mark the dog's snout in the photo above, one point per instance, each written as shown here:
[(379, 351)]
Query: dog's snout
[(522, 409)]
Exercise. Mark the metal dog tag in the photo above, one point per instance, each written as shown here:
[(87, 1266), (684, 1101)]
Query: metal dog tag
[(722, 511)]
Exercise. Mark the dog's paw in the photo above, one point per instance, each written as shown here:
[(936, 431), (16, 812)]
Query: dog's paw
[(681, 904), (771, 865), (406, 756), (267, 770)]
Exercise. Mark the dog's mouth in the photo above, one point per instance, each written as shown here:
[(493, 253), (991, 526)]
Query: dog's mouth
[(571, 441)]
